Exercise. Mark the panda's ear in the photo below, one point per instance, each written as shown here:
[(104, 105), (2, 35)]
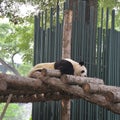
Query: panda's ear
[(81, 63)]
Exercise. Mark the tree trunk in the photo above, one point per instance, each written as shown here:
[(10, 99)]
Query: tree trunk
[(66, 53)]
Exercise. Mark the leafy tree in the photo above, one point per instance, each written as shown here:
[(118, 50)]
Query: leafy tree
[(103, 5), (109, 4), (4, 29), (19, 40), (15, 112)]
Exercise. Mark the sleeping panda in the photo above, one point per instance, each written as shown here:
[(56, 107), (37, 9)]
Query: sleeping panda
[(66, 66)]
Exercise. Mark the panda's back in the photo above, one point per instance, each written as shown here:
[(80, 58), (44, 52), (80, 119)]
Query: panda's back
[(74, 63), (41, 66)]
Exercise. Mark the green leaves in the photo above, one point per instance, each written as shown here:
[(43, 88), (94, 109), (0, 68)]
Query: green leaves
[(17, 39), (16, 112)]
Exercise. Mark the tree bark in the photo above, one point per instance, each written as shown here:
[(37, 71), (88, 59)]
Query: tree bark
[(98, 88), (66, 53), (51, 73), (67, 31), (78, 91), (17, 82), (111, 93), (113, 96), (3, 85), (77, 80)]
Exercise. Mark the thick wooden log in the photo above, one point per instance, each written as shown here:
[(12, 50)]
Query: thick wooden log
[(51, 73), (22, 85), (77, 80), (111, 93), (35, 74), (99, 89), (17, 82), (78, 91), (113, 96), (23, 91), (3, 85), (91, 88)]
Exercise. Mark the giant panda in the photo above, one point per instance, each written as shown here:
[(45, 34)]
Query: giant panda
[(66, 66)]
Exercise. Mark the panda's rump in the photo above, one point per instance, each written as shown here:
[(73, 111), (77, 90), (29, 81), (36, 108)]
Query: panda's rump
[(65, 67)]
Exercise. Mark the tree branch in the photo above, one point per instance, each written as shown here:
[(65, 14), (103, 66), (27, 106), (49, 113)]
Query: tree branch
[(9, 67)]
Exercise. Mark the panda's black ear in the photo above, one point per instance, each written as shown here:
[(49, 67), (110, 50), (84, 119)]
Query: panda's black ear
[(81, 63)]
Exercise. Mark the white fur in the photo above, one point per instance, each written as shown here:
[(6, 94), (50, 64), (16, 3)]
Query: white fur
[(40, 66), (84, 74)]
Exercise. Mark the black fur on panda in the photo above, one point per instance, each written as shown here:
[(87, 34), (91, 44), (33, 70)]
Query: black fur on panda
[(65, 67)]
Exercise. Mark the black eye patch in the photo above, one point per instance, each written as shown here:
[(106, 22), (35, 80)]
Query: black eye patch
[(82, 71)]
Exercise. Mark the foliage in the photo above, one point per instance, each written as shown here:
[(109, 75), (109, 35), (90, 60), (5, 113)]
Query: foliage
[(10, 112), (31, 118), (24, 69), (14, 112), (4, 29), (111, 6), (16, 11), (12, 9), (17, 40)]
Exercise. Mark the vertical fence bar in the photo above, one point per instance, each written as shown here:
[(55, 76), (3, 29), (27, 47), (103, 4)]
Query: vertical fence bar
[(83, 31), (56, 53), (35, 38)]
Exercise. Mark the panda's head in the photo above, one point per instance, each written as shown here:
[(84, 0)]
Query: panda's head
[(79, 67), (82, 70)]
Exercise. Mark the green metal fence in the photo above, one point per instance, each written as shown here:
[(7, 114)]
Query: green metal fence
[(99, 50)]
